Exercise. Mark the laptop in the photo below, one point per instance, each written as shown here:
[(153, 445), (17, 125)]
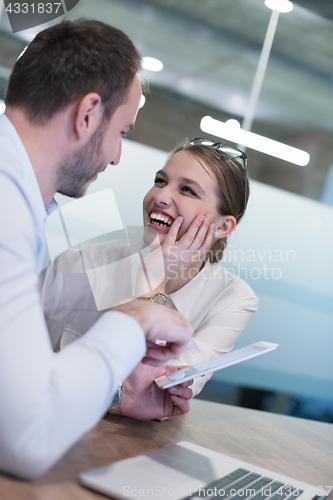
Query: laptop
[(185, 470)]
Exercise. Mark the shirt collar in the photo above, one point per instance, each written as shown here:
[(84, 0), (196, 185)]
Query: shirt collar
[(185, 298), (51, 207)]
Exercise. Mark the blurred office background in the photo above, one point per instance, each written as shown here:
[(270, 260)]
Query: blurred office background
[(207, 56)]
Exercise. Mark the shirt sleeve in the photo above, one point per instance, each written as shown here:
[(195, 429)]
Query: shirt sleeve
[(221, 328), (48, 400)]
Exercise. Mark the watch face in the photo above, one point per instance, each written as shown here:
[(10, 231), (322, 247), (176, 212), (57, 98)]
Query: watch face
[(160, 298)]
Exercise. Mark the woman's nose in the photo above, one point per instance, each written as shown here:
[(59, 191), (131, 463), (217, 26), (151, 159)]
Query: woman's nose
[(163, 197)]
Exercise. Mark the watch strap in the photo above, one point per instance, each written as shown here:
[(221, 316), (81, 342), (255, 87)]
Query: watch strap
[(159, 298), (115, 408)]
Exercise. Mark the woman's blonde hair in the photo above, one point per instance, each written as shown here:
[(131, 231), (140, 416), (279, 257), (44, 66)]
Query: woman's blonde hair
[(230, 188)]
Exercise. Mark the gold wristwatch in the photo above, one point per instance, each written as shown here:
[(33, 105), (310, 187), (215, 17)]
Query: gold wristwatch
[(159, 298)]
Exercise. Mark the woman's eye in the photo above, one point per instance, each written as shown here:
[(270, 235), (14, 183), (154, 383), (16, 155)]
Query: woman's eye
[(159, 180), (189, 190), (123, 134)]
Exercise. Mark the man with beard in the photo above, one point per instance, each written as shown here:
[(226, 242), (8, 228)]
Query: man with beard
[(71, 97)]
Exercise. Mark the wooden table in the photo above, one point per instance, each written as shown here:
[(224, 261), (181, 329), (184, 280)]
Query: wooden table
[(302, 449)]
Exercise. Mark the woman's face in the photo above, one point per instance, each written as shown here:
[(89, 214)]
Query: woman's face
[(183, 187)]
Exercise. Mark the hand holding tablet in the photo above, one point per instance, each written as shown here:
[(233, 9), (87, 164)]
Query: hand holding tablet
[(212, 365)]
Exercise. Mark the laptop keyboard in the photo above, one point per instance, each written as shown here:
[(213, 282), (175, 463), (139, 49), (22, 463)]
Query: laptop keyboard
[(243, 484)]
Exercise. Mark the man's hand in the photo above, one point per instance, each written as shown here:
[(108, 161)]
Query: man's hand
[(159, 322), (143, 400)]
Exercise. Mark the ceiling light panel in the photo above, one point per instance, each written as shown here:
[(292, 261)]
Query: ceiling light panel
[(282, 6), (232, 132), (152, 64)]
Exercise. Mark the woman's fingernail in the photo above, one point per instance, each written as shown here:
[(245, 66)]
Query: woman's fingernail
[(180, 219), (201, 218)]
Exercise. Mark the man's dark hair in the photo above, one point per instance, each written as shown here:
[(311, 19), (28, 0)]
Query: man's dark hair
[(67, 61)]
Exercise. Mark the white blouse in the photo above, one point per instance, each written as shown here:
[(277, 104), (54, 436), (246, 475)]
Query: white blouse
[(217, 303)]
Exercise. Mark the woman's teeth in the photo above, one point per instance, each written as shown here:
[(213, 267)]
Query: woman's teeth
[(160, 220)]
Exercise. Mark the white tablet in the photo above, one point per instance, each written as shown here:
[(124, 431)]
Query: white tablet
[(228, 359)]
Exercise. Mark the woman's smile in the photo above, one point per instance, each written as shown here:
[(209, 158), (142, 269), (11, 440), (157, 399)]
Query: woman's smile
[(160, 220)]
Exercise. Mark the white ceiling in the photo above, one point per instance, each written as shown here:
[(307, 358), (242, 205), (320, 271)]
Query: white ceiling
[(210, 50)]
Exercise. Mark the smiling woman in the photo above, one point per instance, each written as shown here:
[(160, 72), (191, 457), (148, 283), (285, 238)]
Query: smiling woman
[(196, 201)]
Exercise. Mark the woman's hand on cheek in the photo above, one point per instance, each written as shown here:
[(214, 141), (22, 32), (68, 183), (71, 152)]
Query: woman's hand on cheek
[(191, 247), (172, 257)]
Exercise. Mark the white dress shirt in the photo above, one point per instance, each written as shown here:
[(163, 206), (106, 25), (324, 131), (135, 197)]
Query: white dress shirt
[(47, 400), (218, 304)]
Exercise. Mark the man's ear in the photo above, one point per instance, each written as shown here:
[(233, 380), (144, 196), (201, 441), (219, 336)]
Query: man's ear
[(89, 112), (226, 225)]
